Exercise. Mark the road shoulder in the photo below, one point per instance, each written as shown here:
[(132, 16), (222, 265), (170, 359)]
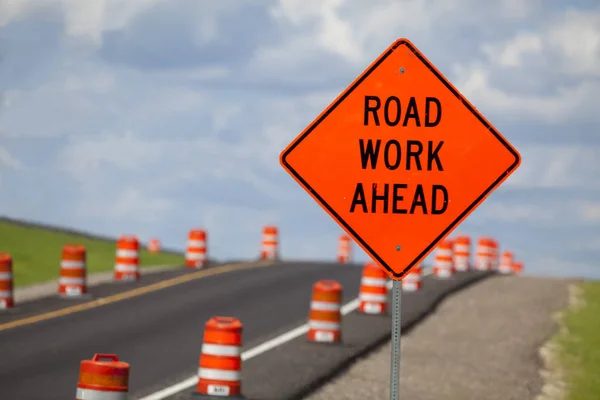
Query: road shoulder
[(481, 343)]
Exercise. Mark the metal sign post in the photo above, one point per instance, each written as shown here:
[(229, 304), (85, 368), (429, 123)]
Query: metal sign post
[(396, 332)]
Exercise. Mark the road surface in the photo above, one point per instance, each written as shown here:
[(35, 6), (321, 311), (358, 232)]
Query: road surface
[(159, 333)]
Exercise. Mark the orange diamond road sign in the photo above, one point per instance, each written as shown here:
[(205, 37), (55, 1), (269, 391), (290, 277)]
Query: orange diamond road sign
[(400, 158)]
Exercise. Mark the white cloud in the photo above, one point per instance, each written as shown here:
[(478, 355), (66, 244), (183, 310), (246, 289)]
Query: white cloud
[(511, 53), (577, 37), (590, 212), (554, 166), (566, 46)]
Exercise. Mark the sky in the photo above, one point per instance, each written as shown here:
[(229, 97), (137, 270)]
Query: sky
[(156, 116)]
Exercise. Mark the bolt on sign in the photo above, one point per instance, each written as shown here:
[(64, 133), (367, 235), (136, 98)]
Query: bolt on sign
[(400, 158)]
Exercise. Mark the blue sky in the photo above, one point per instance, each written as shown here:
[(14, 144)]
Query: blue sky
[(155, 116)]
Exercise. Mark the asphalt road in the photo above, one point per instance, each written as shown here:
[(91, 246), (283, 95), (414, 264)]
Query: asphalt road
[(158, 333)]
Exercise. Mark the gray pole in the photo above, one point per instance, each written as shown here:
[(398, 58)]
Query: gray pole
[(396, 331)]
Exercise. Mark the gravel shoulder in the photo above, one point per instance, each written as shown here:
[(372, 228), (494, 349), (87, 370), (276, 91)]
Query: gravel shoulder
[(481, 343)]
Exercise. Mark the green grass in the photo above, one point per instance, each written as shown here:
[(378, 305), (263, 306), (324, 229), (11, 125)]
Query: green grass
[(580, 346), (36, 253)]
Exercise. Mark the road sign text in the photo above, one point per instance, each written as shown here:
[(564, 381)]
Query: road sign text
[(406, 154)]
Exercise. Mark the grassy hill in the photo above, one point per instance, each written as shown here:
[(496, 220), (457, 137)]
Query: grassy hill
[(36, 251)]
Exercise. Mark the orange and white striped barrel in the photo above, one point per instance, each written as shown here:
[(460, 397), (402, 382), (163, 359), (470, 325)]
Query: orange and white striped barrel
[(495, 254), (462, 253), (344, 249), (103, 377), (195, 256), (506, 262), (484, 254), (325, 318), (517, 267), (373, 290), (154, 245), (6, 282), (443, 264), (127, 263), (219, 373), (270, 243), (412, 281), (72, 281)]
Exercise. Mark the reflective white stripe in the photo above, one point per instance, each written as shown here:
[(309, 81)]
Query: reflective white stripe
[(409, 286), (218, 374), (6, 294), (269, 238), (126, 268), (70, 264), (372, 308), (412, 278), (196, 256), (126, 253), (372, 297), (5, 275), (269, 245), (221, 350), (324, 306), (64, 280), (444, 253), (324, 336), (444, 273), (196, 243), (331, 326), (373, 281), (443, 263), (91, 394), (461, 248)]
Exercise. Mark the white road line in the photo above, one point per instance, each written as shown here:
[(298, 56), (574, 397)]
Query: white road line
[(260, 349)]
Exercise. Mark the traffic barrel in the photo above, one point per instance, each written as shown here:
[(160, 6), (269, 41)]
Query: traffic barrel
[(127, 263), (517, 267), (195, 256), (373, 290), (344, 249), (72, 280), (412, 281), (103, 377), (154, 245), (219, 372), (484, 254), (443, 265), (270, 243), (506, 262), (6, 282), (325, 317), (462, 253), (495, 254)]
